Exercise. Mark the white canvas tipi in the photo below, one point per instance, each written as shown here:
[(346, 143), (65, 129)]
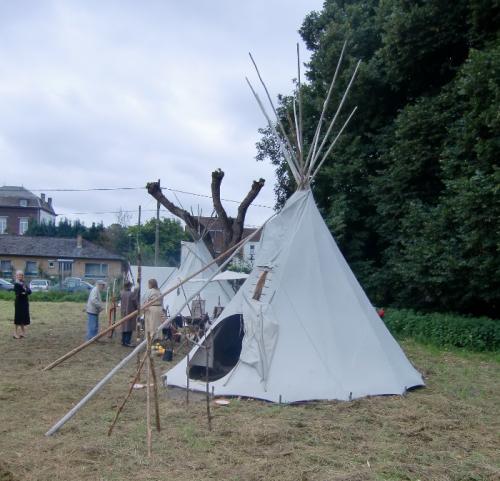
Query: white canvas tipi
[(162, 275), (194, 256), (301, 327)]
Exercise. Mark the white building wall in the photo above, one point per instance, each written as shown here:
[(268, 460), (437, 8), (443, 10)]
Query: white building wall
[(250, 250), (45, 217)]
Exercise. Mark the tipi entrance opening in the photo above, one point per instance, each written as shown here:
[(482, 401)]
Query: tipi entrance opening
[(225, 341)]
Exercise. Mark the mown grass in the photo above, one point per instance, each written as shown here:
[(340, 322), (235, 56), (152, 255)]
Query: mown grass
[(446, 431)]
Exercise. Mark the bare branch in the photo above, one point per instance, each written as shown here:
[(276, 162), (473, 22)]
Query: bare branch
[(217, 176), (191, 221), (239, 222)]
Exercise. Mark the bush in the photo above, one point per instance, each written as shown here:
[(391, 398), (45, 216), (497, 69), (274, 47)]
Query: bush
[(49, 296), (447, 330)]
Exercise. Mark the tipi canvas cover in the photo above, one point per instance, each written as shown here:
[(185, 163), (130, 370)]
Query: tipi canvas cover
[(163, 275), (312, 334), (194, 256)]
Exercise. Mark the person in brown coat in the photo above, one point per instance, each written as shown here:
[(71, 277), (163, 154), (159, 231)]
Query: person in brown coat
[(129, 303)]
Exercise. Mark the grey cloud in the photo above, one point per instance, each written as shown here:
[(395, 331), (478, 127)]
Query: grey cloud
[(98, 94)]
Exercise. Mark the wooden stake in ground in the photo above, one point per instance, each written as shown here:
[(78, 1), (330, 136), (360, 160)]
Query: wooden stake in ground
[(131, 388), (187, 376), (207, 350), (186, 344), (148, 396), (147, 357), (155, 389)]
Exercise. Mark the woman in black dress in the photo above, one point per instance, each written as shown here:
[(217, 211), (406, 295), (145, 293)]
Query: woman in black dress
[(21, 306)]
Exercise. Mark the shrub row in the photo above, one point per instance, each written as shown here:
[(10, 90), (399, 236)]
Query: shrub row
[(49, 296), (447, 330)]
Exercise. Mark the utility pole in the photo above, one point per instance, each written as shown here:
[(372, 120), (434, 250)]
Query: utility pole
[(139, 279), (157, 232)]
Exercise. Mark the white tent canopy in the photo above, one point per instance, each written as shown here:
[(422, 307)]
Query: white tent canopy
[(194, 256), (162, 275), (312, 334)]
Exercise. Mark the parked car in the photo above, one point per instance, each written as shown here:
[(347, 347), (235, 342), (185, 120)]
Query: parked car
[(6, 285), (75, 284), (39, 285)]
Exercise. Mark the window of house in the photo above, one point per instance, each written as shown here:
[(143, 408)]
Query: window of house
[(52, 264), (3, 225), (23, 225), (23, 202), (6, 268), (31, 268), (96, 270)]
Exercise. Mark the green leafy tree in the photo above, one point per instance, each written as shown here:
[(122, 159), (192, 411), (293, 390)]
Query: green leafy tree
[(410, 192), (171, 234)]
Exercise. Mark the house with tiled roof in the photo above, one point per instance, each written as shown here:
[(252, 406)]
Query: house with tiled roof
[(215, 229), (57, 258), (18, 206)]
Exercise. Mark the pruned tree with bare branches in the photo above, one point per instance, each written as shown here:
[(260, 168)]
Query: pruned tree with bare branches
[(233, 227)]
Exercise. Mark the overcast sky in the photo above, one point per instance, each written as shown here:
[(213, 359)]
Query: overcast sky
[(119, 93)]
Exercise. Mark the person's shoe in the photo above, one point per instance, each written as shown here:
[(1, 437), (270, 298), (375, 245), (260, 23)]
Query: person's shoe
[(16, 337), (129, 345)]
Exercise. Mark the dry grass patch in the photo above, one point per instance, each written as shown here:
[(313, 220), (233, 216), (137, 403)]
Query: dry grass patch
[(447, 431)]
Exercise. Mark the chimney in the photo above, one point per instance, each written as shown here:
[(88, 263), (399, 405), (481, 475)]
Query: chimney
[(49, 201), (79, 241), (42, 196)]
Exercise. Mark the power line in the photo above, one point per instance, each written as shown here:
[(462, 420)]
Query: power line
[(134, 211), (109, 212), (104, 189)]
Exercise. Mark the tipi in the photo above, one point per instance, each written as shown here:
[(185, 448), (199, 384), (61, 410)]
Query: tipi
[(301, 327), (194, 256), (161, 274)]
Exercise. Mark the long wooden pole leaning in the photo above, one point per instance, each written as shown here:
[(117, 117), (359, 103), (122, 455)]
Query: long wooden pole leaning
[(145, 305), (140, 346)]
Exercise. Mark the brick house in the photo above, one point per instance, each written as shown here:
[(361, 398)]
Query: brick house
[(215, 228), (18, 206), (57, 258)]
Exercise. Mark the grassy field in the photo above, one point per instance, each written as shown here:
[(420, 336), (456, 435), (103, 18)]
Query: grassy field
[(446, 431)]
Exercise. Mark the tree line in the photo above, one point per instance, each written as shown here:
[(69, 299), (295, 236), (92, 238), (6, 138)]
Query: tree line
[(121, 238), (410, 192)]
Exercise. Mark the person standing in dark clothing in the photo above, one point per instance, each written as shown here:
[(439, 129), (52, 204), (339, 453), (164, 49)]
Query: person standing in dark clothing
[(129, 302), (21, 306)]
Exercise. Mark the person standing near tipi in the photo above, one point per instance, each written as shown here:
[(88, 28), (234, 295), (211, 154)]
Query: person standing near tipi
[(21, 306), (129, 303), (94, 307), (153, 313)]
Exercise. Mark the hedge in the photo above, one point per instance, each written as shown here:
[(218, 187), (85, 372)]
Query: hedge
[(50, 296), (445, 330)]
